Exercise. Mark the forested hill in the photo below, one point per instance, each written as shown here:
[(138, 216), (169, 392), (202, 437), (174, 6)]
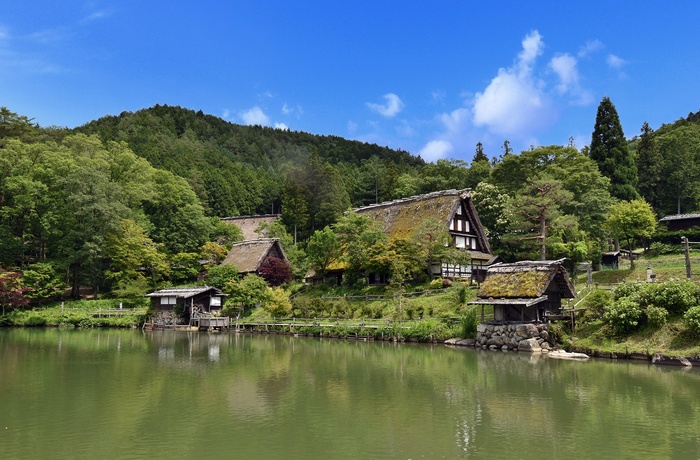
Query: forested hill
[(235, 169)]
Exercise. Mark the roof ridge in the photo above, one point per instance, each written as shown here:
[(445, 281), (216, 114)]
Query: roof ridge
[(413, 198)]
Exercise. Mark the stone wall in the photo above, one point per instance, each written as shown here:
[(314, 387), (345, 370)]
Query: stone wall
[(522, 337)]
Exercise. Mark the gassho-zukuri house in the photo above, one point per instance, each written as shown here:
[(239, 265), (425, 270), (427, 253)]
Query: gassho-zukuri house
[(525, 291), (455, 208), (399, 219)]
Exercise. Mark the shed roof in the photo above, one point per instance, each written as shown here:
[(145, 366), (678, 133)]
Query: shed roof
[(525, 280), (248, 255), (184, 292), (679, 217)]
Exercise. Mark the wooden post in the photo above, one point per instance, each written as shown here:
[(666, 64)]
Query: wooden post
[(686, 244)]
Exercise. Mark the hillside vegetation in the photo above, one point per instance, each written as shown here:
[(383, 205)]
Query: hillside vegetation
[(129, 203)]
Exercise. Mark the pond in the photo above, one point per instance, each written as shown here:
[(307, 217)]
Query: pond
[(130, 394)]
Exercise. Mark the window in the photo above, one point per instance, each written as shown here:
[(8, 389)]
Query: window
[(461, 241), (215, 302), (168, 300)]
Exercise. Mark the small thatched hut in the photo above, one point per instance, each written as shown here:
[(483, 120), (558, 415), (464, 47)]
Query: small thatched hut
[(248, 256), (526, 291)]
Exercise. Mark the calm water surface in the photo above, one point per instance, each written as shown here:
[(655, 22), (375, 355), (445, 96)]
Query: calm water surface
[(128, 394)]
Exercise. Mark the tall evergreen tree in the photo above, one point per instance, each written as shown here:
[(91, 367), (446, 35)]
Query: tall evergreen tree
[(479, 155), (610, 151), (649, 165)]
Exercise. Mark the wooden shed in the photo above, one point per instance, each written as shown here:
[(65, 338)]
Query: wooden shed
[(679, 222), (183, 302), (526, 291)]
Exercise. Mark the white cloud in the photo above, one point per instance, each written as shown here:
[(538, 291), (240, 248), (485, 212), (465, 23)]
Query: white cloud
[(532, 48), (298, 111), (392, 107), (566, 68), (564, 65), (514, 104), (511, 105), (281, 126), (589, 48), (434, 150), (615, 62), (255, 116)]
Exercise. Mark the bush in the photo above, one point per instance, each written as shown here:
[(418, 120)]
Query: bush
[(468, 324), (622, 316), (658, 249), (596, 303), (36, 321), (692, 320), (656, 316), (626, 290), (675, 296), (437, 283)]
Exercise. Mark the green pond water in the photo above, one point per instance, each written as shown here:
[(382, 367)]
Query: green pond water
[(128, 394)]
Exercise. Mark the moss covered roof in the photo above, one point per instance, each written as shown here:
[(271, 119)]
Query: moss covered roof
[(399, 218), (525, 279), (248, 255)]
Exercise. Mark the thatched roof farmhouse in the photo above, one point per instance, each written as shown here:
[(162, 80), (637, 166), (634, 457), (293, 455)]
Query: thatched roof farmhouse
[(455, 208)]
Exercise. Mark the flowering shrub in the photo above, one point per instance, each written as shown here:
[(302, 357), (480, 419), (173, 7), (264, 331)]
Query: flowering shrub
[(692, 319), (656, 316)]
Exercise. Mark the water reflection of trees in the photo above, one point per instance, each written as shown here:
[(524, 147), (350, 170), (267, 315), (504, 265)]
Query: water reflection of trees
[(364, 399)]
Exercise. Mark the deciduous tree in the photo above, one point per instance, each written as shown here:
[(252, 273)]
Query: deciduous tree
[(630, 221)]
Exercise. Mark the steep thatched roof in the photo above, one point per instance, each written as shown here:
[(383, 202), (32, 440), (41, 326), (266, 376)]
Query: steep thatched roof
[(248, 255), (248, 224), (526, 280), (399, 218)]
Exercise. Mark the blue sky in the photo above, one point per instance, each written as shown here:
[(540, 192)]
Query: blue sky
[(432, 78)]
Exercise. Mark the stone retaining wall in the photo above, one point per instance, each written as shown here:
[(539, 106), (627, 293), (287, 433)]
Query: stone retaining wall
[(533, 338)]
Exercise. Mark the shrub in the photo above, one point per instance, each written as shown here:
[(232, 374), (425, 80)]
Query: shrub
[(596, 303), (658, 249), (674, 296), (437, 283), (622, 316), (692, 320), (36, 321), (468, 324), (626, 290), (656, 316)]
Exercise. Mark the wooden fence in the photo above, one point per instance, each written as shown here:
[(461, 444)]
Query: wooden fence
[(368, 297)]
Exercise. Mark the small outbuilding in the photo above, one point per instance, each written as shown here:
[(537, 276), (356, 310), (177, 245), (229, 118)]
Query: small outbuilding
[(610, 260), (680, 222), (182, 303), (526, 291), (248, 256)]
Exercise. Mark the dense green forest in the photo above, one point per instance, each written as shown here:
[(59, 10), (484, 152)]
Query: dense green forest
[(127, 203)]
